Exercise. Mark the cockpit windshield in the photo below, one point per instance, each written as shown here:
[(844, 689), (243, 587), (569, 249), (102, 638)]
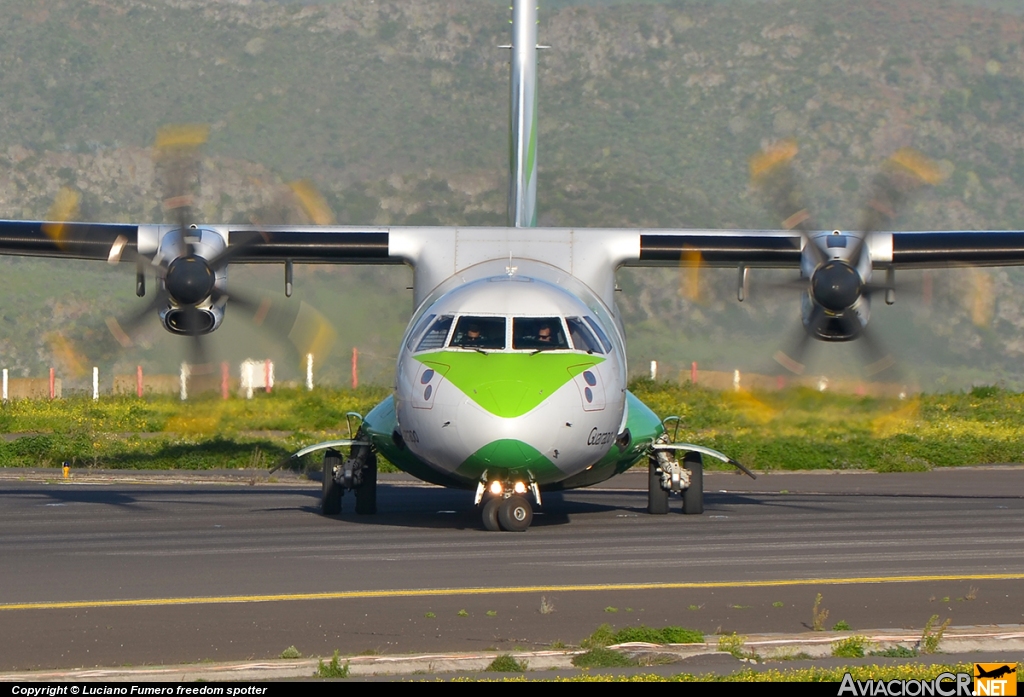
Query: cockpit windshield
[(435, 336), (479, 333), (582, 338), (538, 333), (528, 334)]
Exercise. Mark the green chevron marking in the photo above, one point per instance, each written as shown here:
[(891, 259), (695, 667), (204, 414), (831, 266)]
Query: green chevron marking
[(514, 457), (509, 384)]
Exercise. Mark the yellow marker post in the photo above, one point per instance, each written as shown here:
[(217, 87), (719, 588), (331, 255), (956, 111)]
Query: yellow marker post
[(67, 471)]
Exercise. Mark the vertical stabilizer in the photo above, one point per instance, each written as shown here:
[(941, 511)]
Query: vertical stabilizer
[(522, 189)]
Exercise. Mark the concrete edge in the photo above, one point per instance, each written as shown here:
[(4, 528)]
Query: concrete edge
[(956, 640)]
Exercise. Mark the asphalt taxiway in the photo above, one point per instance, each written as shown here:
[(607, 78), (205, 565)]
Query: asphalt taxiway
[(108, 573)]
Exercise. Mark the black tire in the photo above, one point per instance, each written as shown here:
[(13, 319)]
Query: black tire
[(657, 498), (515, 514), (366, 493), (490, 514), (331, 491), (693, 497)]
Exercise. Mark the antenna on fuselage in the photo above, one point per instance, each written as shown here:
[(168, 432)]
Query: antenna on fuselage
[(522, 189)]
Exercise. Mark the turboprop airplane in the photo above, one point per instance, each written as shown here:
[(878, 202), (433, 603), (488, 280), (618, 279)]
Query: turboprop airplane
[(511, 376)]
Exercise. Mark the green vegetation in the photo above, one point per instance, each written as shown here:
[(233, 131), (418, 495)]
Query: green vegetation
[(841, 626), (885, 673), (334, 669), (665, 635), (606, 636), (732, 644), (850, 647), (602, 657), (818, 615), (895, 652), (506, 663), (793, 429), (291, 652), (931, 637)]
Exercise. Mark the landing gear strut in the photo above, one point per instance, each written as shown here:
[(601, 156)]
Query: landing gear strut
[(358, 474), (665, 475)]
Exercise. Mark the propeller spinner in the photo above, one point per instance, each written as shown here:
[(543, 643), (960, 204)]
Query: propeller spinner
[(836, 268)]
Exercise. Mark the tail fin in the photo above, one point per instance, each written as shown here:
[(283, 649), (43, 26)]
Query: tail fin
[(522, 189)]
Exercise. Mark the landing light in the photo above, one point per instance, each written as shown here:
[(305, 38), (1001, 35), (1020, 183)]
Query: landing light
[(519, 488), (496, 488)]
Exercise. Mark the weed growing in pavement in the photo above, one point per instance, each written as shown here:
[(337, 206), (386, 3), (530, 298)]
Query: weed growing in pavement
[(506, 663), (841, 626), (972, 593), (334, 669), (818, 615), (462, 613), (546, 606), (611, 609), (666, 635), (895, 652), (601, 657), (931, 637), (732, 644), (602, 636), (430, 615), (291, 652), (850, 647), (492, 613), (778, 603)]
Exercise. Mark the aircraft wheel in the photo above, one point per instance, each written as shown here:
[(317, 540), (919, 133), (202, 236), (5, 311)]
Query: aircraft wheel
[(331, 491), (693, 497), (490, 514), (366, 493), (657, 498), (515, 514)]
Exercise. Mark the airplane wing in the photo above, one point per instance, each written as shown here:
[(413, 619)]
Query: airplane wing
[(352, 245), (114, 242), (781, 249)]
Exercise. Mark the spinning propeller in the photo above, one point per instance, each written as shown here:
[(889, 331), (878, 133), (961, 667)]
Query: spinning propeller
[(191, 262), (836, 268)]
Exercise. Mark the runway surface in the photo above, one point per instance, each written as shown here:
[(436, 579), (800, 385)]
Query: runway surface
[(118, 574)]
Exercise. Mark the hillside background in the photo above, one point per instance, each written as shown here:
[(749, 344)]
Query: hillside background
[(397, 111)]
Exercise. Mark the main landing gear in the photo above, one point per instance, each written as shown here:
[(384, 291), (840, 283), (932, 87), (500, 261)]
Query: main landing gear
[(506, 506), (666, 475), (358, 474)]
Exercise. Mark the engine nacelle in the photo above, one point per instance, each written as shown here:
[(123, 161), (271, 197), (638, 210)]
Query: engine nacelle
[(204, 320)]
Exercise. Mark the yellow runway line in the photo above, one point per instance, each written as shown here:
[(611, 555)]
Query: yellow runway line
[(498, 590)]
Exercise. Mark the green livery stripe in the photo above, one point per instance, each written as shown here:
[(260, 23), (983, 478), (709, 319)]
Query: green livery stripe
[(508, 384), (512, 457)]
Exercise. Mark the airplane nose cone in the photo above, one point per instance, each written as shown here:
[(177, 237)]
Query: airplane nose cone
[(836, 286)]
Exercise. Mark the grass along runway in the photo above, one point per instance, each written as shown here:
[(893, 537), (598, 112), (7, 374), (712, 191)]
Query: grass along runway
[(794, 429)]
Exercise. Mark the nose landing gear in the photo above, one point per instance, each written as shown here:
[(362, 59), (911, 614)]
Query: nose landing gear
[(506, 508), (358, 474)]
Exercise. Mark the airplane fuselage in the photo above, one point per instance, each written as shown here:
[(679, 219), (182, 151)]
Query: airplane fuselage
[(512, 371)]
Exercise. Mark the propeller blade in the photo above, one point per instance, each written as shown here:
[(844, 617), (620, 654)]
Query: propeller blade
[(122, 331), (176, 152), (793, 359), (771, 170), (903, 175), (690, 262), (63, 209), (313, 203)]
